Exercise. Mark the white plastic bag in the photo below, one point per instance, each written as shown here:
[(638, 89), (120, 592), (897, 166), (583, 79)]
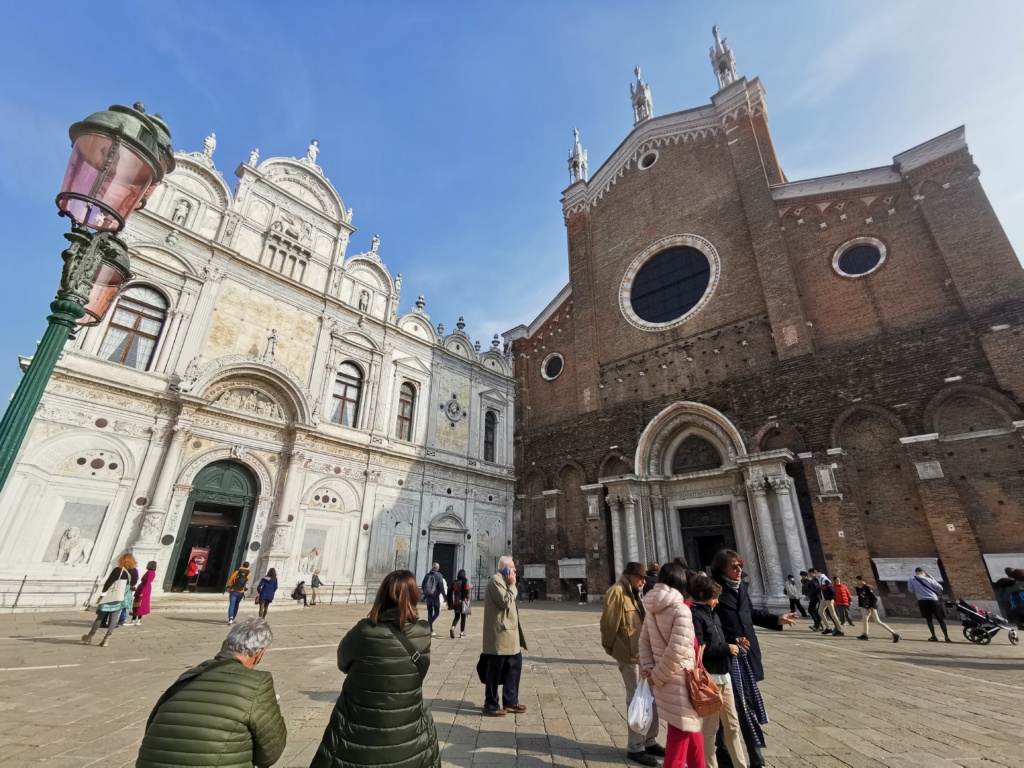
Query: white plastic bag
[(641, 708)]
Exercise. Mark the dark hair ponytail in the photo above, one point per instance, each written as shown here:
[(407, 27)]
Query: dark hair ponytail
[(676, 576)]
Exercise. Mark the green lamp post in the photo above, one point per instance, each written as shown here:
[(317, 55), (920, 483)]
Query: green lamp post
[(118, 157)]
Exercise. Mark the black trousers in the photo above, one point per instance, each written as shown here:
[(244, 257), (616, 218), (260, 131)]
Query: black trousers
[(459, 615), (812, 608), (503, 671), (932, 609), (795, 605)]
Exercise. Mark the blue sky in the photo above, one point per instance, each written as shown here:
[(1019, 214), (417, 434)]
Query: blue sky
[(446, 126)]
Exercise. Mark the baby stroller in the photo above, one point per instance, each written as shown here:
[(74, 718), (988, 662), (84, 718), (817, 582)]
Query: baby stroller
[(981, 626)]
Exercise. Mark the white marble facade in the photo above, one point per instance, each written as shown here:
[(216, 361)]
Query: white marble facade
[(246, 308)]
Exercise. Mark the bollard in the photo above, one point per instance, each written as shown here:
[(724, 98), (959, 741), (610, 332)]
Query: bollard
[(18, 596), (332, 594)]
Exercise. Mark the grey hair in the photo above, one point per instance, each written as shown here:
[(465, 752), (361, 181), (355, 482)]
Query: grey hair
[(505, 561), (249, 636)]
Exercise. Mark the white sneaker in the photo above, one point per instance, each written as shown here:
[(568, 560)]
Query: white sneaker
[(433, 633), (462, 635)]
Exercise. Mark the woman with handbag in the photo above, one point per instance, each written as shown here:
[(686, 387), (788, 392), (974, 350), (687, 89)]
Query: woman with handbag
[(666, 653), (265, 591), (458, 601), (715, 657), (116, 596), (140, 605), (380, 717)]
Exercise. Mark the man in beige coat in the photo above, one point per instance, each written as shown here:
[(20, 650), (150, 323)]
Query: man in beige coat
[(621, 622), (501, 663)]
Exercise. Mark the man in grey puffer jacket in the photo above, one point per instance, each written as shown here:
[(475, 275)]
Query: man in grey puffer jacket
[(221, 713)]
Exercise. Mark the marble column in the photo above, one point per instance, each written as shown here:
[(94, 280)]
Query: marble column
[(660, 540), (745, 540), (675, 531), (629, 505), (202, 316), (790, 525), (153, 522), (365, 527), (287, 503), (167, 341), (769, 547), (800, 527), (613, 507)]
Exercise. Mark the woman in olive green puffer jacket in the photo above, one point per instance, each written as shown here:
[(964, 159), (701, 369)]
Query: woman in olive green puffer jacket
[(381, 718)]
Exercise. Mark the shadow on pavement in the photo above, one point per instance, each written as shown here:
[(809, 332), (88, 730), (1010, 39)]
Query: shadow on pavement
[(327, 696)]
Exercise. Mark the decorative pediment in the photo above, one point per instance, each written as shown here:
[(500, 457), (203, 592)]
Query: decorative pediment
[(249, 400), (447, 521)]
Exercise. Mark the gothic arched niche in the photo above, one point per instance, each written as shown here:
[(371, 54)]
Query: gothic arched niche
[(778, 437), (967, 413), (695, 454)]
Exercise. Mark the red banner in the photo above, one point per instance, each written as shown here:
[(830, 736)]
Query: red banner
[(201, 555)]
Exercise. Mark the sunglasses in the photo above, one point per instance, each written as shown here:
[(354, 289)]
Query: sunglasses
[(735, 566)]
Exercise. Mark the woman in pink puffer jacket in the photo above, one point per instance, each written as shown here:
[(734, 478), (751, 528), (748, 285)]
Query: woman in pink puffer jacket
[(666, 652)]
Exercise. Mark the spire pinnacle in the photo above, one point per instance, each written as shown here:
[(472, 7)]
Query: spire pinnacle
[(577, 160), (723, 61), (643, 107)]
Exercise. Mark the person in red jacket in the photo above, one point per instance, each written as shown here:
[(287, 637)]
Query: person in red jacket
[(843, 599)]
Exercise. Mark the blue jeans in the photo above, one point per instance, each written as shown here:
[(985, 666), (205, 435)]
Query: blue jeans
[(234, 598), (433, 609)]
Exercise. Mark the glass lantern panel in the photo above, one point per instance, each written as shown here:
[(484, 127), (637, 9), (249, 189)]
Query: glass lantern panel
[(105, 286), (107, 173)]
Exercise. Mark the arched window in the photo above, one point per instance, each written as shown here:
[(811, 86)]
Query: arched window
[(134, 328), (490, 433), (406, 402), (695, 454), (347, 389)]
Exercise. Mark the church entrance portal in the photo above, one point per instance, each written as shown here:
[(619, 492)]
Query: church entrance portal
[(444, 555), (705, 531), (216, 522)]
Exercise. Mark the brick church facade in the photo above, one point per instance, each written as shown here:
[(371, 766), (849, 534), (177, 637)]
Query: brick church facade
[(821, 372)]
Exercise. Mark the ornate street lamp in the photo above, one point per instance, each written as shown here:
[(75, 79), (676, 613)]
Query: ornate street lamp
[(118, 157)]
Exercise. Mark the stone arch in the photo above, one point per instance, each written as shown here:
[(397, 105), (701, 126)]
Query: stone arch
[(54, 453), (447, 520), (360, 340), (533, 483), (381, 277), (776, 434), (842, 418), (670, 427), (460, 345), (987, 408), (202, 179), (348, 497), (142, 249), (249, 460), (286, 172), (571, 464), (692, 452), (297, 398), (494, 360), (614, 464)]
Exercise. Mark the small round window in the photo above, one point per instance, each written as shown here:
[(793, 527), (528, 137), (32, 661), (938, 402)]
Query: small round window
[(648, 159), (859, 257), (552, 366)]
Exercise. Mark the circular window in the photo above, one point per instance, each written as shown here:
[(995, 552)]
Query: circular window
[(552, 366), (649, 159), (668, 282), (858, 257)]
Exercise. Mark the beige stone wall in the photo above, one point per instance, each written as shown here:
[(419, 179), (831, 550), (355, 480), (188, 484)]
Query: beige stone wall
[(244, 318)]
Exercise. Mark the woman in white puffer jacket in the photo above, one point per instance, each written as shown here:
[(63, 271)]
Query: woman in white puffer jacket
[(666, 652)]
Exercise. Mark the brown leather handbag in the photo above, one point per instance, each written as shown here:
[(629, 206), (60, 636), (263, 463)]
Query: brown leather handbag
[(705, 698)]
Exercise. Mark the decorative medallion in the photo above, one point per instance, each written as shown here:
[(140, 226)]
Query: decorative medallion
[(454, 411)]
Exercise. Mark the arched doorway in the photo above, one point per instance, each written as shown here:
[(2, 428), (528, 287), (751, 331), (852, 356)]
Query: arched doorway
[(215, 524)]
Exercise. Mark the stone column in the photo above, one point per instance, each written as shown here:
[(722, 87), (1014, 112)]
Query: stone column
[(365, 528), (203, 314), (167, 342), (790, 526), (660, 536), (287, 502), (629, 505), (675, 531), (616, 537), (800, 527), (153, 522), (745, 539), (770, 549)]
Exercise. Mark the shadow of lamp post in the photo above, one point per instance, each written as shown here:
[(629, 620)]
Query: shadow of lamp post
[(118, 158)]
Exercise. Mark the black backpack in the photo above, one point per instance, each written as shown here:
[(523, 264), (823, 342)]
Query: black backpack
[(241, 579)]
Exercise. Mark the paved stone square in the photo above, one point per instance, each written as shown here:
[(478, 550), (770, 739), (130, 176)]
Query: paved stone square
[(832, 701)]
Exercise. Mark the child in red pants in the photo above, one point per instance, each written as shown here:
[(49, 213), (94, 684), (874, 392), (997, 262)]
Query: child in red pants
[(684, 749)]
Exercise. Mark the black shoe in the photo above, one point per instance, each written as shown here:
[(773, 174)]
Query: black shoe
[(642, 757), (838, 633), (933, 639), (655, 749), (895, 637), (863, 637), (826, 631), (451, 633), (948, 640)]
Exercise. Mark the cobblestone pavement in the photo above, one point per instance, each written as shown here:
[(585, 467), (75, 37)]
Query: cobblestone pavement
[(832, 701)]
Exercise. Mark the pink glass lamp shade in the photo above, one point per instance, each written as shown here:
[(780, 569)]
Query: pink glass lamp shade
[(110, 276), (117, 157)]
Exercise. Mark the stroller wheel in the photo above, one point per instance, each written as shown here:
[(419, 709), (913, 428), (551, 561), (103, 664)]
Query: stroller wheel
[(980, 636), (967, 634), (1014, 637)]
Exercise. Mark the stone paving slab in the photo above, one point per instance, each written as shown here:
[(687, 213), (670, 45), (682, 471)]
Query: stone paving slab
[(832, 701)]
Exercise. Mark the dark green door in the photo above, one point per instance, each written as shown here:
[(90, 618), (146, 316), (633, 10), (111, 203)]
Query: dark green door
[(217, 518)]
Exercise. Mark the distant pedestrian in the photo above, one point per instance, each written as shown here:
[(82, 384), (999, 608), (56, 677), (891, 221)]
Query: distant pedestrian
[(868, 601), (117, 593), (237, 583), (140, 602), (530, 591), (583, 594), (503, 642), (812, 591), (928, 592), (651, 577), (667, 650), (827, 605), (1009, 596), (381, 718), (622, 620), (314, 585), (222, 713), (708, 628), (843, 600), (299, 593), (793, 593), (433, 588), (265, 591), (191, 574), (123, 616), (459, 602)]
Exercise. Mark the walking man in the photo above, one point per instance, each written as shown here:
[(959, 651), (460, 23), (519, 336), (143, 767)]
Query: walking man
[(433, 588), (868, 600), (812, 592), (827, 606), (236, 590), (503, 641), (793, 592), (843, 601), (314, 585), (621, 622), (928, 593)]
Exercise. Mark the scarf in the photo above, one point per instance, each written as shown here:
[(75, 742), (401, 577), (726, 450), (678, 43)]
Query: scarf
[(749, 705), (734, 583)]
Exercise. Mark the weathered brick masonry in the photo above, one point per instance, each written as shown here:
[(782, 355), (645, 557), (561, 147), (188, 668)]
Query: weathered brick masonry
[(880, 406)]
